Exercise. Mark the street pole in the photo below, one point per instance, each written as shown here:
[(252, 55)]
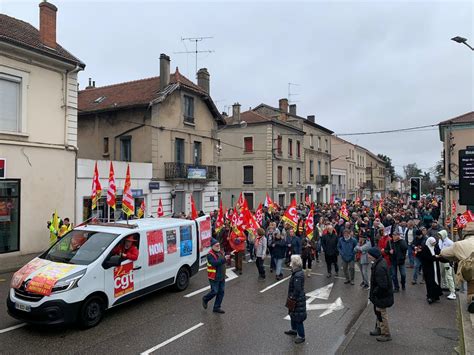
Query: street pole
[(371, 182)]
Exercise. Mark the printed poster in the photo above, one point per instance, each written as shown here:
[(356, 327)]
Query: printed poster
[(171, 241), (123, 279), (26, 271), (205, 233), (186, 245), (43, 283), (156, 249)]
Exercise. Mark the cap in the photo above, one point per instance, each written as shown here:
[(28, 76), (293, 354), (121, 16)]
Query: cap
[(130, 238), (374, 252), (214, 241)]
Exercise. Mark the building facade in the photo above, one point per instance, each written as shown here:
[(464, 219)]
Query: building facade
[(339, 184), (167, 121), (375, 176), (38, 131), (344, 158)]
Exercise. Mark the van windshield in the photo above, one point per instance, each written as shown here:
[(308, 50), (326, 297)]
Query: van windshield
[(79, 247)]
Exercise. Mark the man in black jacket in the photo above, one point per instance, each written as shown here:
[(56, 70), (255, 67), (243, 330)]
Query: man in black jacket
[(329, 244), (397, 249), (381, 294)]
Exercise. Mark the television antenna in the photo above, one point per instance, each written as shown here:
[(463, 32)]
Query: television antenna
[(290, 94), (196, 40)]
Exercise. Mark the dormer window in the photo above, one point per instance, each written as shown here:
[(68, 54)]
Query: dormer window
[(99, 100)]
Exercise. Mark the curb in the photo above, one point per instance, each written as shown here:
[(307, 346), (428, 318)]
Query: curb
[(352, 332), (467, 328)]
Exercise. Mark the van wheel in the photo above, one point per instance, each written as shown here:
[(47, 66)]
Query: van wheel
[(182, 280), (91, 312)]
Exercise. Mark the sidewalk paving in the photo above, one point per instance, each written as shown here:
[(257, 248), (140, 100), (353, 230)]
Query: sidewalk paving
[(14, 262), (466, 321), (416, 326)]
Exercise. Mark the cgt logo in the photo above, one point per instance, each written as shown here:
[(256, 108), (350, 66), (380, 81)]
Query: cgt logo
[(123, 279)]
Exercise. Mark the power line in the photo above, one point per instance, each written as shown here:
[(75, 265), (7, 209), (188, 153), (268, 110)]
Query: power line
[(386, 131)]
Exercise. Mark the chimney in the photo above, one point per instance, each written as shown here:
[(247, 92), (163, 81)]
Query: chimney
[(311, 118), (90, 84), (203, 79), (293, 109), (164, 71), (236, 113), (283, 106), (48, 24)]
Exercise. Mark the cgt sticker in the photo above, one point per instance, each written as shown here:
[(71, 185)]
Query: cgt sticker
[(156, 250), (123, 279)]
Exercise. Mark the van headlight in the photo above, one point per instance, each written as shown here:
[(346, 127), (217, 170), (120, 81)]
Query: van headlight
[(69, 282)]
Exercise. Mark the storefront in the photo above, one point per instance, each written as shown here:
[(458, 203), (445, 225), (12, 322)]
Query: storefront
[(9, 215)]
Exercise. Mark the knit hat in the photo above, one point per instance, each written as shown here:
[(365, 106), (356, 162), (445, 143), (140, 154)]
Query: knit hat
[(213, 241), (374, 252)]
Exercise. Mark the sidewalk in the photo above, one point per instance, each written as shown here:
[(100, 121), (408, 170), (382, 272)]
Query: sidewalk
[(14, 262), (416, 326), (466, 321)]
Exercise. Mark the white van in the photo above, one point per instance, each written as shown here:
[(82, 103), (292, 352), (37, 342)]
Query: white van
[(85, 272)]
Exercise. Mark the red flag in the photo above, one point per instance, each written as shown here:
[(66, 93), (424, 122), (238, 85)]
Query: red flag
[(453, 208), (220, 219), (269, 203), (309, 224), (128, 203), (291, 215), (357, 201), (159, 210), (141, 210), (240, 202), (332, 200), (112, 190), (96, 188), (307, 200), (465, 218), (259, 214), (344, 213), (194, 213)]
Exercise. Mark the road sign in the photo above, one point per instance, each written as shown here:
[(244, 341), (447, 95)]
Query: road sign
[(466, 177)]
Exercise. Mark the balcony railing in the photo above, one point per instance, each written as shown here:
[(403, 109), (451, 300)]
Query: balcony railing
[(181, 171), (322, 179)]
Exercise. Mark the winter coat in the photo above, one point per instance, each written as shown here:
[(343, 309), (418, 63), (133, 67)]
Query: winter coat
[(279, 249), (346, 249), (307, 249), (381, 288), (218, 263), (383, 242), (399, 251), (329, 244), (296, 292), (296, 245), (363, 249), (260, 247)]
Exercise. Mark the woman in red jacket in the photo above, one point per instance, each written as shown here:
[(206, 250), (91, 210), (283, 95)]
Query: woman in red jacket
[(382, 244)]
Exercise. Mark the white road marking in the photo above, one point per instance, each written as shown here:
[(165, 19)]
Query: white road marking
[(149, 351), (322, 292), (275, 284), (12, 328), (203, 268), (329, 307), (230, 276)]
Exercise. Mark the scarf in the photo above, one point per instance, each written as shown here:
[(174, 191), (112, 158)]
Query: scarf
[(431, 247)]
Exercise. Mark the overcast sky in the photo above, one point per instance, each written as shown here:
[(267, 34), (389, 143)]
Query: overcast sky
[(359, 66)]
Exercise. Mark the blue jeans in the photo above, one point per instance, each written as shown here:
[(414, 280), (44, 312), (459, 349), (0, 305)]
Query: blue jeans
[(217, 291), (417, 270), (279, 264), (403, 275), (299, 327), (411, 256)]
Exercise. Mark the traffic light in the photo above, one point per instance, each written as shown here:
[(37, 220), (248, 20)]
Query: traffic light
[(415, 188)]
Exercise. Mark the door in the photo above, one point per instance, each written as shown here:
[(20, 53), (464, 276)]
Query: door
[(124, 281), (162, 257)]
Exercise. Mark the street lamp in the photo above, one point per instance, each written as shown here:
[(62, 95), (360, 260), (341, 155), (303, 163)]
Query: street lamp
[(462, 40)]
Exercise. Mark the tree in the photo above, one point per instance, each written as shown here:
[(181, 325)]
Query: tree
[(390, 168), (438, 172), (412, 170)]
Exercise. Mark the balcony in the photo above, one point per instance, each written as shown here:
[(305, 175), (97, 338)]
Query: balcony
[(180, 171), (322, 179)]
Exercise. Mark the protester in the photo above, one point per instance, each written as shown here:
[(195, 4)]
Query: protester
[(307, 254), (260, 252), (410, 235), (429, 256), (329, 245), (397, 249), (362, 259), (381, 294), (127, 249), (297, 295), (346, 246), (447, 276), (237, 242), (279, 249), (216, 274)]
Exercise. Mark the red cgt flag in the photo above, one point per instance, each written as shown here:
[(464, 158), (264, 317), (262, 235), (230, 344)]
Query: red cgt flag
[(259, 214), (96, 188), (159, 210), (309, 223), (220, 219), (112, 190), (465, 218), (291, 215), (128, 203), (194, 213)]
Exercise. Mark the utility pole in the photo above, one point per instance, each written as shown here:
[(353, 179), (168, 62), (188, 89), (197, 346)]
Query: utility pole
[(371, 182), (196, 51)]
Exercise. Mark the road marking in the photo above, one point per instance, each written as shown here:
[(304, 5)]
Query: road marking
[(321, 293), (12, 328), (230, 276), (149, 351), (276, 283), (203, 268)]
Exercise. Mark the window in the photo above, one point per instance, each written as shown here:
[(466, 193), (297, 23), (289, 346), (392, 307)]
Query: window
[(249, 197), (319, 167), (179, 151), (10, 99), (311, 168), (326, 145), (197, 153), (281, 200), (319, 143), (197, 197), (9, 215), (290, 176), (326, 168), (106, 146), (188, 109), (248, 144), (219, 175), (298, 176), (290, 147), (298, 149), (292, 196), (178, 202), (248, 174), (126, 148), (279, 145), (311, 141), (280, 175)]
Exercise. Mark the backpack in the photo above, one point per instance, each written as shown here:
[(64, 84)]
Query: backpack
[(465, 269)]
